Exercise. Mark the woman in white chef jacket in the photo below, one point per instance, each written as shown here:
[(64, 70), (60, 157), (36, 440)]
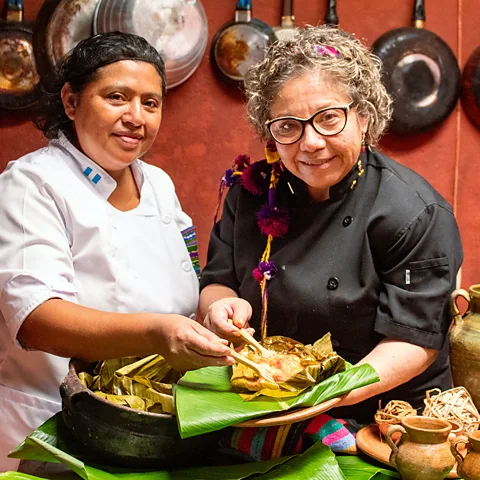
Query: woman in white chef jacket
[(93, 263)]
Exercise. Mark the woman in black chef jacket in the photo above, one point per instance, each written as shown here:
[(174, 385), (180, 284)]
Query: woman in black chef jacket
[(330, 234)]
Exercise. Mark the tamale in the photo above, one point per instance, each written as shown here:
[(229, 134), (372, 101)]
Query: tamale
[(294, 366), (139, 383)]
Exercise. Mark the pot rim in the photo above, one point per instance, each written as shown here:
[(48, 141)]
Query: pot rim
[(411, 420)]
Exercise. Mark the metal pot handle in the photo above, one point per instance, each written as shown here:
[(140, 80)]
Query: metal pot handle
[(388, 437), (460, 292), (331, 17)]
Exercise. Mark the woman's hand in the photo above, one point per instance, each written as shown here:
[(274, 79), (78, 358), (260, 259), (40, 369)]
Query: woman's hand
[(227, 315), (187, 345)]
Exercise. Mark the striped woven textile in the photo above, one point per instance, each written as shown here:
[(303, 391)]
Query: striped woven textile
[(190, 238), (255, 444)]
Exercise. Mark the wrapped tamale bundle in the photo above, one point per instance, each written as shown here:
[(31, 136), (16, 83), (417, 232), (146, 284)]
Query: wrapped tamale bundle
[(294, 367), (139, 383)]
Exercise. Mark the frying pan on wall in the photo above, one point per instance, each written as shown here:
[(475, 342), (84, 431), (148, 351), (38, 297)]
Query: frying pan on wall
[(420, 72), (471, 87), (240, 44), (60, 25), (18, 74)]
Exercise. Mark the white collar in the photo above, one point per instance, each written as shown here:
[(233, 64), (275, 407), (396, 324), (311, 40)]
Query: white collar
[(92, 173)]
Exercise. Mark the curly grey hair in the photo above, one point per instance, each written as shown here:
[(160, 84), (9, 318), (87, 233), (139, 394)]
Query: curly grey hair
[(356, 69)]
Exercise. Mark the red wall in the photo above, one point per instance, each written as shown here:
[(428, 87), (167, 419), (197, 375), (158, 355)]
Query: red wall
[(204, 124)]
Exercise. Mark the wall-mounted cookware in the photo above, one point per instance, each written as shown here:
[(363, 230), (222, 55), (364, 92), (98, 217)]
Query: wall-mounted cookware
[(240, 44), (331, 17), (178, 29), (420, 72), (60, 25), (287, 24), (18, 74), (471, 87)]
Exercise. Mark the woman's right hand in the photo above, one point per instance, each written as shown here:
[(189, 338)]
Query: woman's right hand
[(187, 345), (227, 315)]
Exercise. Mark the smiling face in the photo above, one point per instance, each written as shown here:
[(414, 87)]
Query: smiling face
[(320, 161), (117, 115)]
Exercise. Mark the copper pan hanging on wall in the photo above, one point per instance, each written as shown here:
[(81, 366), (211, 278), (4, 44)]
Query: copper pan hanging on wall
[(420, 72), (471, 87), (18, 74)]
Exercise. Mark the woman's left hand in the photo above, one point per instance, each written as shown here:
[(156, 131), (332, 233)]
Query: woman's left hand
[(226, 316)]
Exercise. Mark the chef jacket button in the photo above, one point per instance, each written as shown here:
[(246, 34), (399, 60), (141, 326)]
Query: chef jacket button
[(332, 283), (186, 266), (347, 221), (192, 316), (166, 219)]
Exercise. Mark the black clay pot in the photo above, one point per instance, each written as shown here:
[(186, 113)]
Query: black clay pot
[(127, 437)]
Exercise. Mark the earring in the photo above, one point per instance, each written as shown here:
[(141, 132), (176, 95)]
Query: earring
[(364, 143)]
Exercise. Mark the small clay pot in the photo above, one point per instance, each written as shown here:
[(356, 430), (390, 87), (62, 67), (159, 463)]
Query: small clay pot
[(423, 451), (468, 467)]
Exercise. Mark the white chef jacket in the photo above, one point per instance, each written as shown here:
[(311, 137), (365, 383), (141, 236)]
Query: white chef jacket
[(60, 238)]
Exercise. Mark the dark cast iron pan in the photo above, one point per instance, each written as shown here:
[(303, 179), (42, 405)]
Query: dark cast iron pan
[(470, 94), (19, 79), (239, 44), (421, 73)]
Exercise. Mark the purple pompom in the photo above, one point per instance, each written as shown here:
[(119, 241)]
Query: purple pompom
[(273, 221), (265, 270), (255, 178), (229, 178)]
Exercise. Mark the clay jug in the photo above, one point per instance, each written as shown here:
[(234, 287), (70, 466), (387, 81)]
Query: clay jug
[(423, 451), (469, 467), (465, 343)]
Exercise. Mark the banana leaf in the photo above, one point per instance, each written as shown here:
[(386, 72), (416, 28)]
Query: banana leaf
[(357, 469), (205, 401), (53, 443), (134, 382), (294, 366)]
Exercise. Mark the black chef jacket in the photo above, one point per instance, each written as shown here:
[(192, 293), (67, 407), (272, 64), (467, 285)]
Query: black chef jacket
[(379, 260)]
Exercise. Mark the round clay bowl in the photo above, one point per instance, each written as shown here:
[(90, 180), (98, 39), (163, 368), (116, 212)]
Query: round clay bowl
[(123, 436)]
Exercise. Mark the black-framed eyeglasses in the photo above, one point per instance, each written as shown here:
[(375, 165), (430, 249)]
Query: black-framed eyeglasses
[(327, 121)]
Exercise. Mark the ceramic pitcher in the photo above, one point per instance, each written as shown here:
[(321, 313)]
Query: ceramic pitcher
[(423, 451), (465, 343), (469, 467)]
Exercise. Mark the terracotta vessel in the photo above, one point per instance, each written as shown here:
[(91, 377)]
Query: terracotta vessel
[(465, 342), (423, 451), (469, 467)]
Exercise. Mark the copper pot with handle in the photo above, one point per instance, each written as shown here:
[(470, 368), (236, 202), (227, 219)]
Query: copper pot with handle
[(19, 79)]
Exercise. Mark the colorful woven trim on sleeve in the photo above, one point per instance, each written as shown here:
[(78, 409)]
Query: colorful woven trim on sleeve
[(190, 238)]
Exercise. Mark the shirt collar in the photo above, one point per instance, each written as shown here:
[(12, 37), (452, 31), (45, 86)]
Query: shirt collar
[(91, 173), (343, 187)]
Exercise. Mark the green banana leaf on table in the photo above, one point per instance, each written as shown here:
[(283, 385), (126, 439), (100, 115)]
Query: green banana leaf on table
[(53, 443), (205, 401)]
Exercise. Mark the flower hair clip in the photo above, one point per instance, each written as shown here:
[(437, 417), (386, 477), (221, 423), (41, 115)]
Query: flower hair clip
[(326, 50)]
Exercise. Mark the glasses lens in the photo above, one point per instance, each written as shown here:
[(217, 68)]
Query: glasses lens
[(286, 130), (331, 121)]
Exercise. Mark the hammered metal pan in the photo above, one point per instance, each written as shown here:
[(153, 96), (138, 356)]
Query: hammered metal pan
[(60, 25), (421, 73), (19, 79)]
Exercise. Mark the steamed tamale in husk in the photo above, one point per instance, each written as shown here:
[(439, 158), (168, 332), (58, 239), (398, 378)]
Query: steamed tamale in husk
[(294, 367), (139, 383)]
